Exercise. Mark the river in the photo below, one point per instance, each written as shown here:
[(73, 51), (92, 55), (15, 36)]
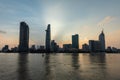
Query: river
[(60, 66)]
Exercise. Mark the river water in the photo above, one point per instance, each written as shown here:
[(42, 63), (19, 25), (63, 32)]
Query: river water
[(60, 66)]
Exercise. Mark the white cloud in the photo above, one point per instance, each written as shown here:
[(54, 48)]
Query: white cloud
[(112, 39), (106, 20)]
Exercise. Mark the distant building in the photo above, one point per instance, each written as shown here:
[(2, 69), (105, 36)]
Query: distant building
[(48, 39), (114, 49), (42, 47), (109, 49), (99, 45), (5, 48), (118, 50), (102, 41), (75, 41), (33, 47), (54, 46), (94, 46), (85, 47), (67, 46), (15, 49), (24, 37)]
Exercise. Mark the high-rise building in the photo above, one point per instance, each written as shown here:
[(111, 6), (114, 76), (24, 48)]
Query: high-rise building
[(67, 46), (54, 46), (75, 41), (48, 38), (94, 46), (99, 45), (24, 37), (102, 41)]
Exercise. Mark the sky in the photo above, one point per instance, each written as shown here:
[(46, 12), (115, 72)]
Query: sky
[(67, 17)]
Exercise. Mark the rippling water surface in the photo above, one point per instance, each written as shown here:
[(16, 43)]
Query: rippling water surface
[(64, 66)]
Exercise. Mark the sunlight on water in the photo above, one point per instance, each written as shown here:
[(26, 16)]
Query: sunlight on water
[(59, 67)]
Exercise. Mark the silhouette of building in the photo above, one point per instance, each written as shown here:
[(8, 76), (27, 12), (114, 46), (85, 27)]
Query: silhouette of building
[(54, 46), (5, 48), (109, 49), (42, 47), (67, 46), (94, 46), (102, 41), (75, 41), (99, 45), (114, 49), (85, 47), (48, 39), (33, 47), (24, 37), (15, 49)]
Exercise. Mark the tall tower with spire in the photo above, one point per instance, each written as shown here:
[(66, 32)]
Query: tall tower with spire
[(102, 41), (48, 38)]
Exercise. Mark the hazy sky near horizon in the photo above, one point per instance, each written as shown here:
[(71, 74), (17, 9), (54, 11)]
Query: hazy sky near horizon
[(67, 17)]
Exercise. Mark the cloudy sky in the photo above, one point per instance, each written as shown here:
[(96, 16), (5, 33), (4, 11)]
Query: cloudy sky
[(67, 17)]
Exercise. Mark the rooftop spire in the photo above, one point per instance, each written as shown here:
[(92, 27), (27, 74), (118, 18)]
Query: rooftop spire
[(102, 30)]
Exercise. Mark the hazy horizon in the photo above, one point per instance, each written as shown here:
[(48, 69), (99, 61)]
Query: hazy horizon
[(67, 17)]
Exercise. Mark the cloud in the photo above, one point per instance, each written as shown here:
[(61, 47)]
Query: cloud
[(106, 20), (54, 15), (112, 39), (2, 32)]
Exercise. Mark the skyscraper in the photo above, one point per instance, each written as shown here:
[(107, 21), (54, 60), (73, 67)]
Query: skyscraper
[(54, 46), (75, 41), (24, 37), (48, 38), (67, 47), (94, 45), (102, 41)]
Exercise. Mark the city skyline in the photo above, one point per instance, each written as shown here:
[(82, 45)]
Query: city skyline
[(66, 18)]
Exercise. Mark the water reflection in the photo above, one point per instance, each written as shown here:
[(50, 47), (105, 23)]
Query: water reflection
[(98, 66), (75, 61), (48, 73), (59, 67), (23, 73), (47, 66), (98, 58)]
